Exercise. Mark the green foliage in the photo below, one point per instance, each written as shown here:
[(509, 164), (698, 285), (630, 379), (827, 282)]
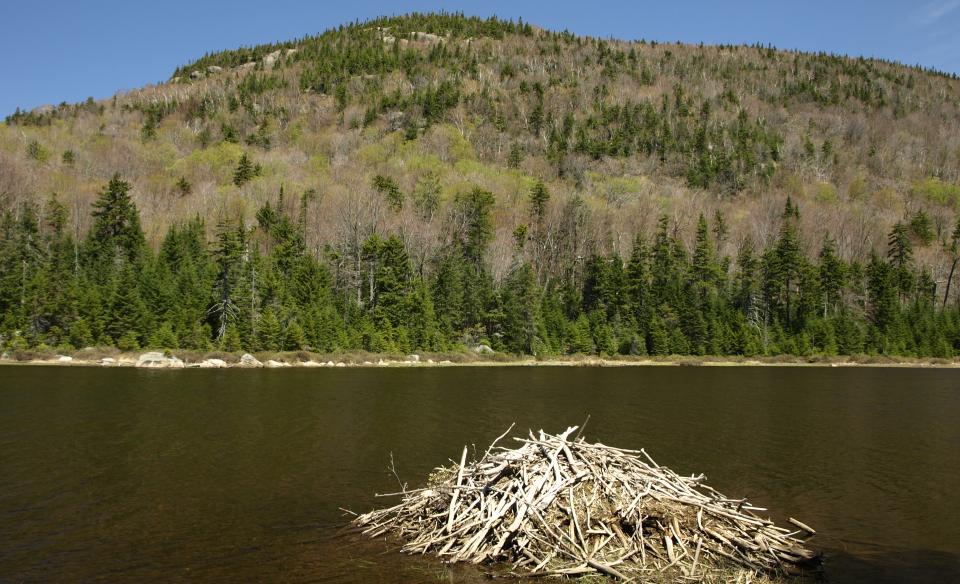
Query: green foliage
[(426, 196), (938, 191), (515, 157), (116, 234), (390, 190), (37, 152), (246, 171), (662, 301), (539, 196), (164, 338), (183, 186), (921, 227)]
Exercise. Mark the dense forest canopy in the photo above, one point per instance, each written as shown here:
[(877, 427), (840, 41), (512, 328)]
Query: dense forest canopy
[(436, 181)]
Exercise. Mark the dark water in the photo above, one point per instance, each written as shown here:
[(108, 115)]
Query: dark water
[(227, 476)]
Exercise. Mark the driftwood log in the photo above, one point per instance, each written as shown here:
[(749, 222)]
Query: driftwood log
[(556, 506)]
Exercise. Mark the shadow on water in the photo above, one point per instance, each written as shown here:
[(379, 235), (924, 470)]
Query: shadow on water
[(127, 475)]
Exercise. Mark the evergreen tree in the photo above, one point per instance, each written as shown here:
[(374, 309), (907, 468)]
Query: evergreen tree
[(515, 157), (638, 283), (706, 271), (832, 276), (246, 171), (900, 255), (783, 266), (390, 190), (882, 286), (474, 210), (116, 235), (392, 282), (539, 196), (269, 332), (520, 303), (127, 317), (223, 309)]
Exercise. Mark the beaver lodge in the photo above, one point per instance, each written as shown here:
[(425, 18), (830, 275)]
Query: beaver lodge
[(557, 506)]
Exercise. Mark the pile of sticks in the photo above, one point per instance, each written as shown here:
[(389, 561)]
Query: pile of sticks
[(561, 506)]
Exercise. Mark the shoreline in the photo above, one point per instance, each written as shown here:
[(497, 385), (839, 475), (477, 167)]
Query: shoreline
[(112, 358)]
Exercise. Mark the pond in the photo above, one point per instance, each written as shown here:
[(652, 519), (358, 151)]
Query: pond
[(125, 475)]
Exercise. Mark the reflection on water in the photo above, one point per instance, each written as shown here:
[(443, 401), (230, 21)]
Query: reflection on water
[(126, 475)]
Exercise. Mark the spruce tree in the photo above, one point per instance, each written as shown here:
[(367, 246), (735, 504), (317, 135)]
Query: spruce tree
[(474, 210), (116, 235), (392, 282), (539, 196), (832, 275), (269, 332), (638, 283), (388, 187), (128, 317), (515, 157), (245, 171), (783, 265), (223, 310), (519, 308), (705, 269), (900, 255)]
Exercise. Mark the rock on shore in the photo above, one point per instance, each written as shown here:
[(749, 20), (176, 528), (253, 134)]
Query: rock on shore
[(157, 360), (248, 360)]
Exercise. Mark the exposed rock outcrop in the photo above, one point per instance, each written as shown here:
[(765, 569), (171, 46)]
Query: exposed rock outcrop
[(211, 364), (270, 59), (426, 37), (248, 360), (157, 360)]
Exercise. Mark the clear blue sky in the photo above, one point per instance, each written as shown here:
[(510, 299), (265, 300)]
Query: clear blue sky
[(65, 51)]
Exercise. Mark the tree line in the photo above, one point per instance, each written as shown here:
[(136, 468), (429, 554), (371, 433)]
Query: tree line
[(256, 287)]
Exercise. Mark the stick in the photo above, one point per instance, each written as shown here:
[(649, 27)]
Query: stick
[(456, 492)]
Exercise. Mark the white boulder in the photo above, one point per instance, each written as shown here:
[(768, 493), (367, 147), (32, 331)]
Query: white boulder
[(211, 364), (248, 360), (270, 59), (157, 360)]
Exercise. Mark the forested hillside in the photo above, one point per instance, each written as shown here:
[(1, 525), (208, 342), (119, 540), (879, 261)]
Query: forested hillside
[(435, 182)]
